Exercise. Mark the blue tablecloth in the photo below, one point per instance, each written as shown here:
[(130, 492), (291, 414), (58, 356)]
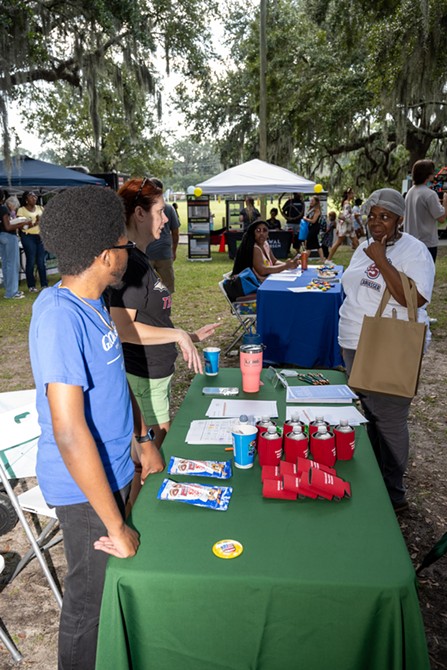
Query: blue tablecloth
[(300, 328)]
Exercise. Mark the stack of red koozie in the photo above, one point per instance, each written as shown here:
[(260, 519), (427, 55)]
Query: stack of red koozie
[(298, 476)]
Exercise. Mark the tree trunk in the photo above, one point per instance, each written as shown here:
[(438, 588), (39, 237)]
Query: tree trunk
[(417, 144)]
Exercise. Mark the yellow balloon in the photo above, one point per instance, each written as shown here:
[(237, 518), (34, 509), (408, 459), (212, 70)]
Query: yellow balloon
[(198, 191), (318, 188)]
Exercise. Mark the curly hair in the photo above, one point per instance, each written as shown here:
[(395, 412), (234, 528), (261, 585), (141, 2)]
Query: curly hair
[(143, 192), (79, 223), (244, 255)]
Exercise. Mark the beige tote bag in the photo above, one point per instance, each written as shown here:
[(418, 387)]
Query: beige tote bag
[(389, 354)]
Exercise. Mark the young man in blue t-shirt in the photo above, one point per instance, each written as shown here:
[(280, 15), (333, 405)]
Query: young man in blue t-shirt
[(86, 413)]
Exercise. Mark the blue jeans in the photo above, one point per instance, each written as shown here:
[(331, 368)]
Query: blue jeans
[(84, 583), (9, 253), (34, 254)]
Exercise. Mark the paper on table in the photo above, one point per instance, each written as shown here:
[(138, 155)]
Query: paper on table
[(327, 394), (304, 289), (227, 408), (330, 414), (210, 431), (282, 276)]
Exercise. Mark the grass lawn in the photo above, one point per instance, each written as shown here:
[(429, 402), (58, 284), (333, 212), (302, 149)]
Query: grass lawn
[(197, 301)]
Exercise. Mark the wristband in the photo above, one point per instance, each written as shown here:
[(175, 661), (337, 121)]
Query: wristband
[(149, 437)]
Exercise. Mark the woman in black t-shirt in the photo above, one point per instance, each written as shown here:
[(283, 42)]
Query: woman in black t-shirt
[(141, 310)]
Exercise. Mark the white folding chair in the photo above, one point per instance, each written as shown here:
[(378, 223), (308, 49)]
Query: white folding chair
[(18, 447), (246, 322), (37, 547), (4, 637)]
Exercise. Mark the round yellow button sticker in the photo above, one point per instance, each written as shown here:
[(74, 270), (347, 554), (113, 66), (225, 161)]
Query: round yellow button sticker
[(228, 549)]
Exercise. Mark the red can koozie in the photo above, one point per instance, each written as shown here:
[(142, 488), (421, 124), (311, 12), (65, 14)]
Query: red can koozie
[(315, 425), (263, 424), (322, 446), (304, 465), (272, 488), (301, 485), (269, 448), (290, 423), (294, 449), (286, 468), (328, 486), (270, 472), (344, 441)]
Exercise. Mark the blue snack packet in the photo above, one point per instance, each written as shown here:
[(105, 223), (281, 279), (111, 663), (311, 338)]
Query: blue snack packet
[(213, 497), (186, 466)]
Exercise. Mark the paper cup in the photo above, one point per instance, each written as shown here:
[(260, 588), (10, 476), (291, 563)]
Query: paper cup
[(244, 445), (211, 356)]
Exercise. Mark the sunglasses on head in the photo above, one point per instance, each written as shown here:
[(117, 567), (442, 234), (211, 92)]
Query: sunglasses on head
[(146, 180), (129, 246)]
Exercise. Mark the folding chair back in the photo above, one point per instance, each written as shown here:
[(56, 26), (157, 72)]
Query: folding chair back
[(4, 637), (246, 322), (19, 431)]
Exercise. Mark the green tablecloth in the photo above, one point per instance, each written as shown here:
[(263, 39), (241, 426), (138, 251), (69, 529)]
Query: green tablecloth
[(320, 585)]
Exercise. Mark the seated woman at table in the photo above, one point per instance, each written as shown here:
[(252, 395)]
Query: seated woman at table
[(254, 252), (374, 267), (313, 217)]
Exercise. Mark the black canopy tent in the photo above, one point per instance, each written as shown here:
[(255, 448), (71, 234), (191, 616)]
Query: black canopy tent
[(25, 173)]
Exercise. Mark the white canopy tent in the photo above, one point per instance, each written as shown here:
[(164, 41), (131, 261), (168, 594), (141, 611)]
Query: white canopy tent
[(256, 177)]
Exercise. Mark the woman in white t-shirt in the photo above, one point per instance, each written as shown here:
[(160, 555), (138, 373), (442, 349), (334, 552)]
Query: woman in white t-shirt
[(374, 266)]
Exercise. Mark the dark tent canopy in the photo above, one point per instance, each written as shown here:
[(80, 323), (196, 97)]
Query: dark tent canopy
[(29, 173)]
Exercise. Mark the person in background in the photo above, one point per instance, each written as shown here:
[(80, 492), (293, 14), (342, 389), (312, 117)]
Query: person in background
[(357, 218), (175, 206), (249, 213), (423, 210), (328, 234), (141, 309), (345, 225), (9, 246), (254, 252), (313, 218), (273, 223), (375, 266), (293, 211), (31, 241), (85, 410), (162, 252)]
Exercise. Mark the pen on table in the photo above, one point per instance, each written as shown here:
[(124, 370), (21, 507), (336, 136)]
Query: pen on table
[(229, 449), (224, 408)]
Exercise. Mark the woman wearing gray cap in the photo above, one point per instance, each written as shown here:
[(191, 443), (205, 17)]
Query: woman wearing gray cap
[(375, 266)]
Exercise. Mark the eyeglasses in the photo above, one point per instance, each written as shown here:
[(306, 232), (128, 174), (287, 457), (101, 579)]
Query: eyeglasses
[(128, 245)]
